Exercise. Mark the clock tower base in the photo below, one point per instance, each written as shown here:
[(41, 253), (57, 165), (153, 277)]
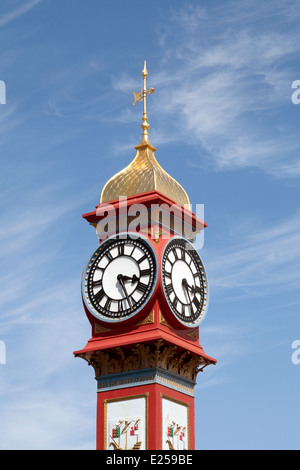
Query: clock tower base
[(145, 415), (145, 395)]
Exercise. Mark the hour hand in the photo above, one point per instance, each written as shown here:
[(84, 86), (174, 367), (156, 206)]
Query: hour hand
[(133, 279)]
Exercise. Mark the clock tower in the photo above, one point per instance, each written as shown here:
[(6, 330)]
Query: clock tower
[(145, 293)]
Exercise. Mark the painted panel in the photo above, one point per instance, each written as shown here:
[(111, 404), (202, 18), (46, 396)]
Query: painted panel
[(125, 421), (175, 424)]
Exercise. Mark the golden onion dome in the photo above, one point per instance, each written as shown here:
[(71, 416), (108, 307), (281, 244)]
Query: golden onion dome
[(144, 173)]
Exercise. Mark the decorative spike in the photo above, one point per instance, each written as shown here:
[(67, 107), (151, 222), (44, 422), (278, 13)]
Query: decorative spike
[(142, 96)]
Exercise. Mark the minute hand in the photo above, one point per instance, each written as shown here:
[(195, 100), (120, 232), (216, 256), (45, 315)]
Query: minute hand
[(121, 281), (184, 284)]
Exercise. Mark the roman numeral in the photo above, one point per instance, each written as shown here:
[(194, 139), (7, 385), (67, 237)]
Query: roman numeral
[(132, 302), (167, 274), (142, 259), (198, 289), (145, 272), (131, 254), (99, 296), (196, 302), (181, 254), (190, 310), (169, 289), (142, 287), (109, 255), (100, 269), (121, 249), (107, 304), (97, 283), (175, 302), (129, 301)]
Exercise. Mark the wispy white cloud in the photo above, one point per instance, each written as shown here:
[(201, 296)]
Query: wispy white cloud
[(232, 341), (258, 262), (226, 79), (47, 325), (17, 12), (41, 324), (126, 83)]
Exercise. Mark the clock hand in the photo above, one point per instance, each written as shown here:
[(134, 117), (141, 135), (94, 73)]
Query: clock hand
[(185, 285), (121, 281), (133, 279)]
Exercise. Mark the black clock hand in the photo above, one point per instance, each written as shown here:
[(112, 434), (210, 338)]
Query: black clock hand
[(133, 279), (185, 285), (121, 281)]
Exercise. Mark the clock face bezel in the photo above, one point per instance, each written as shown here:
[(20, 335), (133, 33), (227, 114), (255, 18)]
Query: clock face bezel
[(199, 314), (110, 243)]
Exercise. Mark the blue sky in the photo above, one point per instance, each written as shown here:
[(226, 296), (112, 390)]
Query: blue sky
[(224, 126)]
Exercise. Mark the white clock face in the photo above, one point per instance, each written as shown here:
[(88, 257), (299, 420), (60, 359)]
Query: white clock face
[(184, 281), (119, 278)]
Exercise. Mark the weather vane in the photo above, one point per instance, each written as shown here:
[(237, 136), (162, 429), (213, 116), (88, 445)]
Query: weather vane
[(141, 96)]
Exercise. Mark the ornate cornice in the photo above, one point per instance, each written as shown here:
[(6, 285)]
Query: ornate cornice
[(168, 357)]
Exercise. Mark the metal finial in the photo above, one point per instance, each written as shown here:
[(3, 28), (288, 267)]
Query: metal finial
[(141, 96)]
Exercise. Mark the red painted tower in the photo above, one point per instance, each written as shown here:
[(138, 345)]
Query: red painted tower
[(145, 293)]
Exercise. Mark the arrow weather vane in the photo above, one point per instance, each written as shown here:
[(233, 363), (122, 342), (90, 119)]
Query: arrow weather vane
[(141, 96)]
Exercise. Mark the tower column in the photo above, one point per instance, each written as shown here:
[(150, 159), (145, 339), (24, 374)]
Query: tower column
[(141, 405)]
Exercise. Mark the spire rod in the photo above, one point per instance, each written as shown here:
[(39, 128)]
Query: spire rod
[(142, 96)]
